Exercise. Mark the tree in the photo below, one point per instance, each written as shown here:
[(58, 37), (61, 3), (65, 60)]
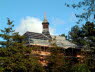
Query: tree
[(7, 34), (56, 61), (87, 8), (80, 68), (74, 34), (63, 35), (15, 56), (83, 36)]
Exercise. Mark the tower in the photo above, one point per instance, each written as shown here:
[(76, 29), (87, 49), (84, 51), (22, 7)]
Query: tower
[(45, 25)]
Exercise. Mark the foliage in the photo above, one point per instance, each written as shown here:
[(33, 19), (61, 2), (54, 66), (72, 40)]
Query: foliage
[(14, 55), (18, 62), (83, 36), (7, 34), (87, 8), (74, 34), (89, 59), (80, 68), (63, 35), (56, 61)]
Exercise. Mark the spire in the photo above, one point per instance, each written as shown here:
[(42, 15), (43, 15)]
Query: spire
[(45, 19), (44, 14)]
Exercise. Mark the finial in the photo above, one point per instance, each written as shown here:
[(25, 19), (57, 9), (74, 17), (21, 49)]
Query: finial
[(45, 19), (45, 15)]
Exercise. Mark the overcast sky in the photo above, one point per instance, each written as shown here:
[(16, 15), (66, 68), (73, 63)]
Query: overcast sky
[(29, 14)]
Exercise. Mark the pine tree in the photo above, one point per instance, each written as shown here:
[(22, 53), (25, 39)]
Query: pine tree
[(7, 34), (14, 55), (84, 37), (57, 62)]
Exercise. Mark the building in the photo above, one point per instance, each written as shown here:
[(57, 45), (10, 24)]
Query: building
[(45, 39)]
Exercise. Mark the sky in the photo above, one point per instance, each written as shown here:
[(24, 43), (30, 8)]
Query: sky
[(29, 14)]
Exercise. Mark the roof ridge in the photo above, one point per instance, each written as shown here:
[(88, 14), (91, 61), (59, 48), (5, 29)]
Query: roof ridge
[(45, 36), (33, 32)]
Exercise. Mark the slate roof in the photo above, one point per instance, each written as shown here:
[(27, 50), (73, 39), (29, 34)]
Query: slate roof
[(36, 35), (46, 33)]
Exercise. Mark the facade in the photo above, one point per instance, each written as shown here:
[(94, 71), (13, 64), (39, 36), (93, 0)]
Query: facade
[(45, 39)]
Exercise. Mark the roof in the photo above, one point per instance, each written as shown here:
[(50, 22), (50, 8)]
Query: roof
[(36, 35), (62, 42)]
